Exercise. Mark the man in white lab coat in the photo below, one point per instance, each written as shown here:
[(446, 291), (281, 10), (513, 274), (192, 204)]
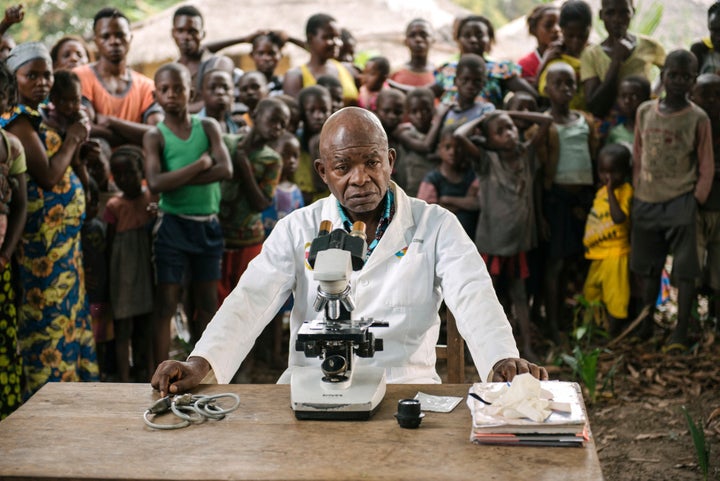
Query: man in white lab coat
[(418, 255)]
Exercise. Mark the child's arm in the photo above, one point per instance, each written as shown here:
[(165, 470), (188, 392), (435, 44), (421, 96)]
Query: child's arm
[(600, 94), (222, 168), (115, 130), (292, 82), (519, 84), (164, 181), (244, 174), (543, 122), (616, 213), (426, 144), (705, 161), (469, 202), (47, 172), (462, 134)]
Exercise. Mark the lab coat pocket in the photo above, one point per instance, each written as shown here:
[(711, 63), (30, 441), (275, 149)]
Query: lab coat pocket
[(411, 281)]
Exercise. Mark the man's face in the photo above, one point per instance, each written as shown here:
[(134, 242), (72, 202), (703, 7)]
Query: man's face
[(112, 38), (188, 33), (355, 163)]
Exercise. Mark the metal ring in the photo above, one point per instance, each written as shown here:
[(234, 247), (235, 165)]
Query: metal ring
[(181, 424), (177, 410)]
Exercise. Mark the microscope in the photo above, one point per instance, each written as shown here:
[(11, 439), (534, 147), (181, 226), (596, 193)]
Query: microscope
[(342, 390)]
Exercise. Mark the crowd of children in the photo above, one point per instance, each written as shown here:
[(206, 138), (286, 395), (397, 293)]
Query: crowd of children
[(568, 168)]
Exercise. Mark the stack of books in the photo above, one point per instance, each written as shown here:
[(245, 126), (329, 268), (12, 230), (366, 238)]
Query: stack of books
[(565, 425)]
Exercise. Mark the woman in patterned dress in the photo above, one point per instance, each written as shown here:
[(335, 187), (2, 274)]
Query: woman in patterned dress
[(54, 331)]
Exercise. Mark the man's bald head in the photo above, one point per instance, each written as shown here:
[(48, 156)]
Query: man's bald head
[(351, 125)]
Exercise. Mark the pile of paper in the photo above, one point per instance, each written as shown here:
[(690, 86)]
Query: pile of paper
[(528, 412)]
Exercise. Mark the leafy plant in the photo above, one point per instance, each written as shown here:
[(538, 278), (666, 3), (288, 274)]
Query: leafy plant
[(702, 450), (585, 366)]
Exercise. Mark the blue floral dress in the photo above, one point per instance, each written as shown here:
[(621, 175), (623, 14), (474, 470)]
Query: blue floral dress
[(54, 330)]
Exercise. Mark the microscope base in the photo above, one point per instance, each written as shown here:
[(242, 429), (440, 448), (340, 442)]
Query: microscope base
[(312, 398)]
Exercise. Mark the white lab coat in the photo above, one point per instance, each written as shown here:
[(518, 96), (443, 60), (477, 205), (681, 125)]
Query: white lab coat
[(423, 256)]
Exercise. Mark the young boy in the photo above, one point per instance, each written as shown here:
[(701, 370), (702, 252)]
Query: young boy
[(607, 236), (632, 91), (469, 81), (185, 158), (390, 112), (672, 173), (257, 170), (217, 93), (418, 71), (253, 88), (706, 94)]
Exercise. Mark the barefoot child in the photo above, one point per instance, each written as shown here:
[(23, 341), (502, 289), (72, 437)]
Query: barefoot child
[(607, 237), (673, 168), (506, 231), (128, 217), (185, 158)]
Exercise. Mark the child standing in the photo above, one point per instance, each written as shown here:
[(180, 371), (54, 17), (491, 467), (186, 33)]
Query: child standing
[(374, 79), (672, 173), (575, 23), (288, 196), (418, 72), (633, 91), (315, 108), (469, 82), (256, 168), (619, 55), (607, 237), (390, 111), (128, 217), (453, 184), (567, 202), (252, 88), (185, 158), (706, 94), (217, 97), (506, 231), (542, 24), (417, 138)]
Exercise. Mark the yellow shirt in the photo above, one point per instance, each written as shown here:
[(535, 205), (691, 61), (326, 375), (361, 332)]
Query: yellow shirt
[(578, 100), (594, 62), (603, 237), (350, 91)]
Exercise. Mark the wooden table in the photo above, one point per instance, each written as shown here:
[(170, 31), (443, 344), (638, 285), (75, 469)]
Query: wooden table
[(96, 431)]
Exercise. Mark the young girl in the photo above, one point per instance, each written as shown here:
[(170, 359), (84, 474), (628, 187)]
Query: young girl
[(567, 202), (315, 105), (619, 55), (506, 168), (374, 79), (50, 253), (543, 25), (453, 184), (575, 22), (69, 52), (418, 72), (128, 218), (475, 34), (266, 55), (13, 207)]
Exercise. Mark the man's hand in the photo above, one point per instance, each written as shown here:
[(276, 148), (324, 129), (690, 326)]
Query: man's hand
[(506, 369), (172, 377)]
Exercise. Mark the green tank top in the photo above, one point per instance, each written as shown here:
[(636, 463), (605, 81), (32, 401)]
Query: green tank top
[(203, 199)]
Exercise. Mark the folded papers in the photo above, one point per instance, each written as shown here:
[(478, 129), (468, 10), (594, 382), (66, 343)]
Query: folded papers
[(528, 412)]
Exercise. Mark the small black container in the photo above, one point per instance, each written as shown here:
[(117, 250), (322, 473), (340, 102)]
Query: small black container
[(409, 414)]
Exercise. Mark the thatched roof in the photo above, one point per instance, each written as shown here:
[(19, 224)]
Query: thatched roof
[(378, 25)]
